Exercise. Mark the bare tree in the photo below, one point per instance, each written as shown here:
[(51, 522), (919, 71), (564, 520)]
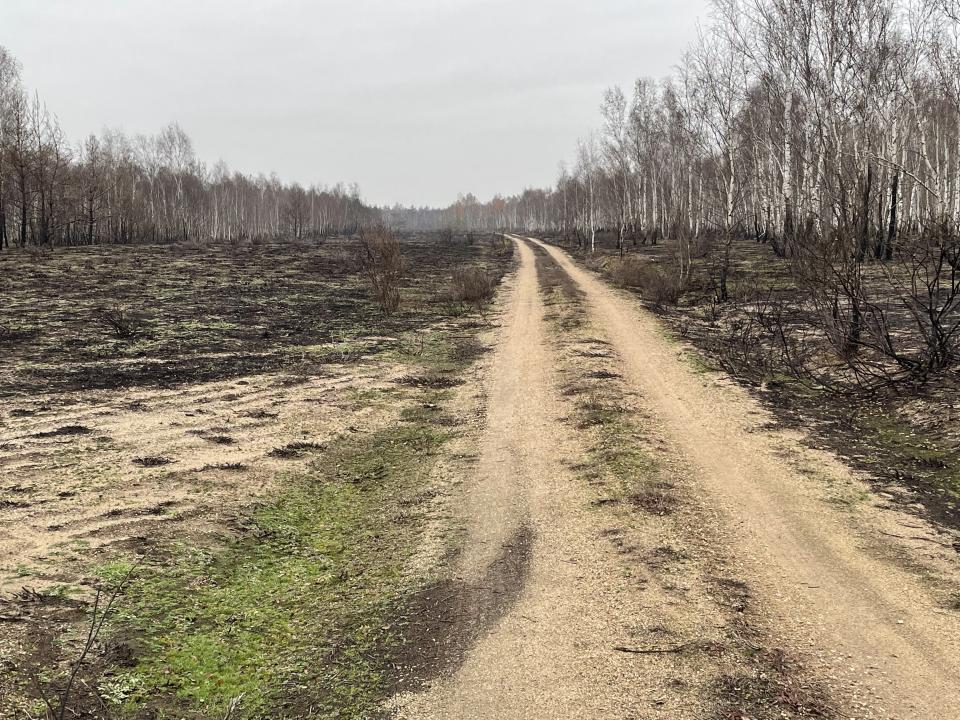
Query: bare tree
[(113, 188), (587, 171), (616, 154), (10, 91)]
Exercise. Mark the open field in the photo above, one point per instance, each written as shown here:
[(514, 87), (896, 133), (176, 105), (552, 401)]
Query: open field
[(481, 505), (201, 313)]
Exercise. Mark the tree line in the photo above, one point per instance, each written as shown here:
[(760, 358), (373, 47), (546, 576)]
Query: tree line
[(775, 122), (113, 188), (828, 130)]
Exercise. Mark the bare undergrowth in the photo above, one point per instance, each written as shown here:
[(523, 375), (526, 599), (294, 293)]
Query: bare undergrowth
[(777, 332)]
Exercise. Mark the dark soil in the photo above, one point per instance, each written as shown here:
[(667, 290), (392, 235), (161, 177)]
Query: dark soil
[(213, 313), (445, 620)]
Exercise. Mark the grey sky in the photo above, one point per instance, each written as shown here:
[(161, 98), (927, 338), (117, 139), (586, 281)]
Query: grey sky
[(416, 100)]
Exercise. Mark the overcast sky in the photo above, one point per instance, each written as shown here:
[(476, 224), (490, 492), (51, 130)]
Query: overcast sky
[(416, 100)]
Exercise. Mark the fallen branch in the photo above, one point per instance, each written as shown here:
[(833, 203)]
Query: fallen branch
[(916, 537), (652, 651)]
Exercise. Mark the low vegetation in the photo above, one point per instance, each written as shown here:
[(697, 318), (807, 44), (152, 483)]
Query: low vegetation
[(473, 285), (299, 615), (382, 261)]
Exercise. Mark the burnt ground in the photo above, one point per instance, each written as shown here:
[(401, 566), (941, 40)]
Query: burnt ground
[(905, 437), (180, 447), (447, 618), (112, 317)]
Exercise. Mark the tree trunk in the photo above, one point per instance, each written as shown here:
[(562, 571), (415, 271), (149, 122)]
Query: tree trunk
[(891, 238), (863, 239)]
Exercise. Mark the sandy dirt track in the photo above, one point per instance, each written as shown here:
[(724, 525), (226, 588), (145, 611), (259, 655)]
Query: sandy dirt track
[(551, 653), (858, 589), (823, 571)]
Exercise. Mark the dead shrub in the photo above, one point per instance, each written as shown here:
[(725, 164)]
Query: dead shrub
[(502, 247), (659, 283), (121, 322), (434, 381), (38, 252), (225, 467), (473, 285), (213, 435), (151, 461), (381, 260), (295, 450)]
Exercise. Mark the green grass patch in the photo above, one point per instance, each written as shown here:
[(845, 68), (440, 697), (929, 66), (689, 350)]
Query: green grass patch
[(445, 348), (912, 449), (298, 617), (700, 364), (621, 460)]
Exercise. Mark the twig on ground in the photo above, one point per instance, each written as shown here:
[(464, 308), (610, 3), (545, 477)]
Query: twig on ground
[(916, 537), (233, 707), (652, 651)]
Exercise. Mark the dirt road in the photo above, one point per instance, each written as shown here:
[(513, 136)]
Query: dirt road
[(860, 591), (552, 651)]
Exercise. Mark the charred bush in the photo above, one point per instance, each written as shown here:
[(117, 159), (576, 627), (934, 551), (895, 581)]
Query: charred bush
[(659, 283), (381, 260), (119, 321), (502, 247), (473, 285)]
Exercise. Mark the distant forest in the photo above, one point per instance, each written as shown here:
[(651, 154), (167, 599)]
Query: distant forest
[(786, 120), (113, 188)]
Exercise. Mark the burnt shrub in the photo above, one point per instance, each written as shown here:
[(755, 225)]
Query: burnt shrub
[(381, 260), (473, 285), (659, 283), (121, 323)]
